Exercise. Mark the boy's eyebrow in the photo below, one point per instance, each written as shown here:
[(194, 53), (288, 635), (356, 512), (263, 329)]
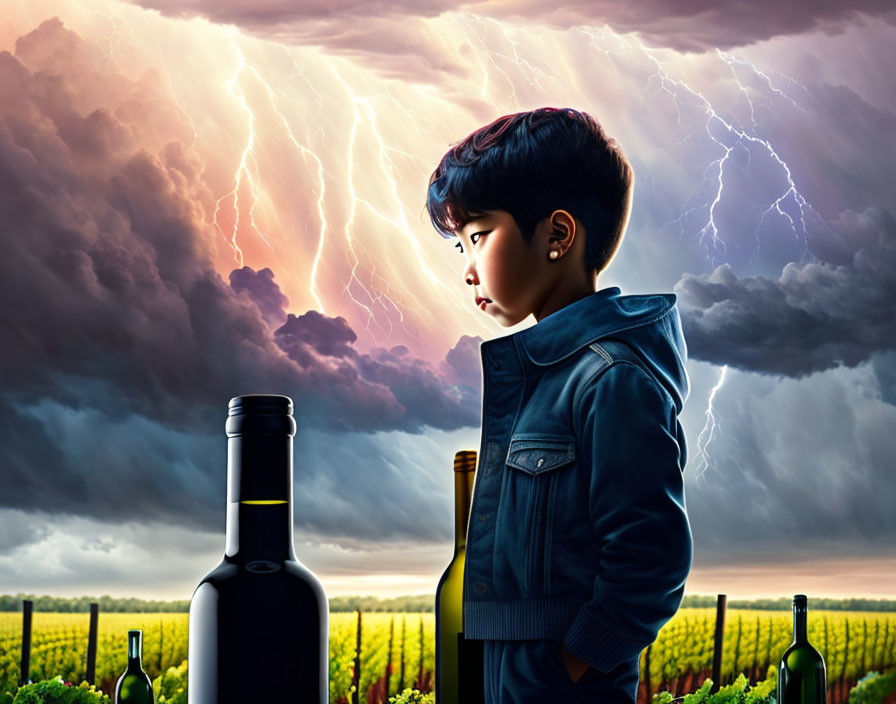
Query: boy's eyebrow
[(473, 221)]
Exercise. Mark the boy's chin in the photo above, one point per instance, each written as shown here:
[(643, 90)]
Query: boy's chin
[(508, 321)]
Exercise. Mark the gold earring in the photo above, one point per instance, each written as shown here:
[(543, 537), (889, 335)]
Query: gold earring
[(554, 254)]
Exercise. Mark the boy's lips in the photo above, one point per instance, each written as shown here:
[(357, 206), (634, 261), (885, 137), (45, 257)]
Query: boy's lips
[(482, 302)]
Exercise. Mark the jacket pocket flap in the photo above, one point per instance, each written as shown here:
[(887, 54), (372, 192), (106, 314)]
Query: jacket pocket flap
[(537, 455)]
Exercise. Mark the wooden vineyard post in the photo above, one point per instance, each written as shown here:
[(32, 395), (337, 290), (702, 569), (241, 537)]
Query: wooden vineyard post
[(91, 644), (25, 669), (356, 670), (721, 601)]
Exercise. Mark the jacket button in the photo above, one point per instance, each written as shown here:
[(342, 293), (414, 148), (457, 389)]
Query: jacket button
[(481, 517), (480, 587), (540, 462)]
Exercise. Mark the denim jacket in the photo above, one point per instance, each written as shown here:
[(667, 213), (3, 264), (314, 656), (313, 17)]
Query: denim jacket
[(578, 530)]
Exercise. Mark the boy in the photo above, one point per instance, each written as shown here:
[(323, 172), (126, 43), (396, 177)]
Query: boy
[(578, 544)]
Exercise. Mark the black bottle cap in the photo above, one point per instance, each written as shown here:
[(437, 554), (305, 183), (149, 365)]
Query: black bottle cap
[(254, 414), (800, 601)]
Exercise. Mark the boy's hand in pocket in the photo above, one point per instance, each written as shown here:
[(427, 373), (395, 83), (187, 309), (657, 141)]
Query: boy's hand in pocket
[(574, 666)]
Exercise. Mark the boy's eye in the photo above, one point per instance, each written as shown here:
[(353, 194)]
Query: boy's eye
[(473, 241)]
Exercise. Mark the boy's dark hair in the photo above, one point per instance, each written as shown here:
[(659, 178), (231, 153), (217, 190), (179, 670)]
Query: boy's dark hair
[(530, 164)]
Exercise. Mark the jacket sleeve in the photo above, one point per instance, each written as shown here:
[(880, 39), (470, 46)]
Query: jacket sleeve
[(632, 453)]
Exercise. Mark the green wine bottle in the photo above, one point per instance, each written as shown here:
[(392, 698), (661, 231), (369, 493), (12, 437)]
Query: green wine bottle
[(458, 661), (134, 686), (801, 673)]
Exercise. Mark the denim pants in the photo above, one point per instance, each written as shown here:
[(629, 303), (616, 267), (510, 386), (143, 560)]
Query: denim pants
[(533, 672)]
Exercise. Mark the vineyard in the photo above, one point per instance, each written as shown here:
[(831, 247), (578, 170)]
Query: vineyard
[(397, 650)]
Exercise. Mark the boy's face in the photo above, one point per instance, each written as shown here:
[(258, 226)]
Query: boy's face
[(503, 268)]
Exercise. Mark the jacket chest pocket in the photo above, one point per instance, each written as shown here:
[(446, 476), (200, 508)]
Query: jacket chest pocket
[(534, 461)]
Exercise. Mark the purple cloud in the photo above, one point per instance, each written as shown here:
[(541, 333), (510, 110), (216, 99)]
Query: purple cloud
[(815, 316), (402, 30), (260, 287)]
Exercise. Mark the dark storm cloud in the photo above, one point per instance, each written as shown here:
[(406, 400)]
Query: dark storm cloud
[(700, 25), (811, 461), (122, 344), (313, 332), (815, 316), (21, 528), (401, 29), (413, 382), (260, 287)]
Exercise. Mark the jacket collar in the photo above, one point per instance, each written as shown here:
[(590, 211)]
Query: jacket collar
[(603, 313)]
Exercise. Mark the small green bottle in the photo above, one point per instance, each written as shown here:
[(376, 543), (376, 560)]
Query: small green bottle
[(134, 686), (801, 672)]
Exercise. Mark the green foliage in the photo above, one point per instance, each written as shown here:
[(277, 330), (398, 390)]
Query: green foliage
[(873, 688), (738, 692), (56, 691), (413, 696), (171, 686)]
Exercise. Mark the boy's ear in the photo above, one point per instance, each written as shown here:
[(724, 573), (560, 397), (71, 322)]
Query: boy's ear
[(563, 229)]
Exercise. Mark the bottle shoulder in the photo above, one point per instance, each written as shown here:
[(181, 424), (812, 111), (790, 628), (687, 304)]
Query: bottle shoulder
[(131, 677), (230, 571), (801, 655), (455, 568)]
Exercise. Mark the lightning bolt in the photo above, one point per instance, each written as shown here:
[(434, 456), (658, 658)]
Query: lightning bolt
[(712, 422), (243, 168), (735, 137), (306, 153), (605, 33), (732, 61), (728, 136), (114, 39)]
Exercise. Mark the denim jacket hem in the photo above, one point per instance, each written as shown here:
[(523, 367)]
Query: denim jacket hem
[(521, 619)]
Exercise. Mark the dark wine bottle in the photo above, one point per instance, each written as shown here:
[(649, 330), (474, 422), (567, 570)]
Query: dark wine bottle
[(801, 673), (134, 686), (259, 621), (459, 675)]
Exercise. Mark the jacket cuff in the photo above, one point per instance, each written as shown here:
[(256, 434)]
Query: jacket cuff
[(603, 649)]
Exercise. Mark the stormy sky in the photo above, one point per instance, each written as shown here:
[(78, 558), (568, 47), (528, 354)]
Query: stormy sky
[(196, 204)]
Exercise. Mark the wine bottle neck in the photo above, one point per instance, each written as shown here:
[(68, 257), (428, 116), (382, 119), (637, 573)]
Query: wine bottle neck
[(463, 492), (259, 492), (260, 531), (799, 626), (135, 647)]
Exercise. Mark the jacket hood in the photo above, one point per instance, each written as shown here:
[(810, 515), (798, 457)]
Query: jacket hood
[(648, 323)]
